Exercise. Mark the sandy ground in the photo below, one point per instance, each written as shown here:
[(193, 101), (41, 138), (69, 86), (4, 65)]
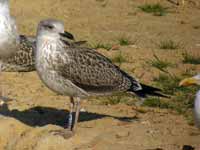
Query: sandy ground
[(27, 120)]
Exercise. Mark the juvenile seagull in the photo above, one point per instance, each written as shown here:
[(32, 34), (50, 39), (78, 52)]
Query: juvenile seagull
[(192, 81), (79, 72)]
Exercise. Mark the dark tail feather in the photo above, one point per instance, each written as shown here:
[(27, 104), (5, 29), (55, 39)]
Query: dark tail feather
[(151, 91), (78, 43)]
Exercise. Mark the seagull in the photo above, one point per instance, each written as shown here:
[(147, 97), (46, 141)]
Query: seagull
[(79, 72), (195, 80), (9, 38)]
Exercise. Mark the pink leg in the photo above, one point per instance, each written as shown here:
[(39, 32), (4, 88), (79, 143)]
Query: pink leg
[(70, 119), (77, 114)]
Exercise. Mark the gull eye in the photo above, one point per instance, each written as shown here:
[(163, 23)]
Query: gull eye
[(49, 26)]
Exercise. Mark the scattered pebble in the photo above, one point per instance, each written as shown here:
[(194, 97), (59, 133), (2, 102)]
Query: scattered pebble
[(134, 46), (122, 134), (1, 103), (82, 110), (115, 47), (146, 123)]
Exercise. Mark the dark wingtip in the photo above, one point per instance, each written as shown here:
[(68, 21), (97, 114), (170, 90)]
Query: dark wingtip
[(66, 42), (80, 43), (147, 87), (150, 91), (145, 94)]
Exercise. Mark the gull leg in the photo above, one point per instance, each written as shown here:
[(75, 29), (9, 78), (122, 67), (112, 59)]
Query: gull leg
[(77, 114), (1, 88), (70, 120), (67, 132), (3, 93)]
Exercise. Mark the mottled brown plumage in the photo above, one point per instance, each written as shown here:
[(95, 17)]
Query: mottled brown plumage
[(92, 72), (23, 60)]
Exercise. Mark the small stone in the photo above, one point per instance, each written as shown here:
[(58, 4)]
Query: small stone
[(2, 103), (82, 110), (115, 47), (122, 134)]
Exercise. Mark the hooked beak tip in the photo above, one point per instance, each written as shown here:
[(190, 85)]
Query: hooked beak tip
[(188, 81), (67, 35)]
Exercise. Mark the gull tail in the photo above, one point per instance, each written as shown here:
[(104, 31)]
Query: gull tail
[(149, 91)]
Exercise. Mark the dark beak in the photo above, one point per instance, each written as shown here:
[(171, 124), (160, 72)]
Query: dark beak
[(67, 35)]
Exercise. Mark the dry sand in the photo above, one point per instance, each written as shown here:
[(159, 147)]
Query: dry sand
[(27, 121)]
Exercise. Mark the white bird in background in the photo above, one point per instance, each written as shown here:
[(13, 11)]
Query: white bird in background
[(9, 38), (195, 80), (8, 32)]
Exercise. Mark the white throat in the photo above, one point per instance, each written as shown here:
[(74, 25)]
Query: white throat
[(46, 46)]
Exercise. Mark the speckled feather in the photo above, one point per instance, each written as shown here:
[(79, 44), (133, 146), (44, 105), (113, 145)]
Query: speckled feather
[(23, 60), (93, 72)]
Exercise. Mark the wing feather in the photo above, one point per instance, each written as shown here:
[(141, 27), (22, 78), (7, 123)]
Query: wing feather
[(92, 71), (23, 60)]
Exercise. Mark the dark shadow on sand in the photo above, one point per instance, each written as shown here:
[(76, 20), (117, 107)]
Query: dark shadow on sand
[(41, 116)]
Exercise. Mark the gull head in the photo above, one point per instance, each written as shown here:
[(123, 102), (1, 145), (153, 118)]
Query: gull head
[(52, 28), (195, 80)]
